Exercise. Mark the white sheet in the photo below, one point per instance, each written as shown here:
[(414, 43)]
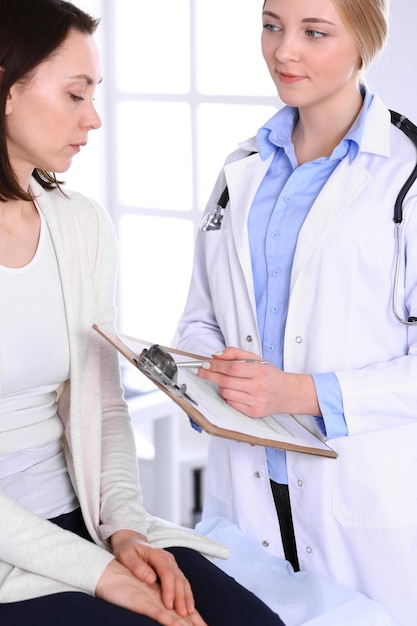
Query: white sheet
[(302, 598)]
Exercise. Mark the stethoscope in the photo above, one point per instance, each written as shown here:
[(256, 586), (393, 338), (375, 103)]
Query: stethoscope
[(411, 131), (213, 220)]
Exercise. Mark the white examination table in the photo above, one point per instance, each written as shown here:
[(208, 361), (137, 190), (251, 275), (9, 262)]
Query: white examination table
[(302, 598)]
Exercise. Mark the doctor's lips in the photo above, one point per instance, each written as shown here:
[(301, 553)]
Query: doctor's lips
[(289, 78)]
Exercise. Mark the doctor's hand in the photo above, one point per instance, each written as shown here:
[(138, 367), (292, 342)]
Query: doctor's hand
[(155, 571), (260, 389)]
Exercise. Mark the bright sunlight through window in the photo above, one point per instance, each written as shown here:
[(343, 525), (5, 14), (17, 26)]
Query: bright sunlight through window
[(183, 83)]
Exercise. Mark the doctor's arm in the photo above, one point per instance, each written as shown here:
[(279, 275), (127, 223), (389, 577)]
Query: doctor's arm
[(262, 389), (332, 423)]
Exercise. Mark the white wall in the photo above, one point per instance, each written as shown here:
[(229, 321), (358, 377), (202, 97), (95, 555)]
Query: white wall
[(394, 73)]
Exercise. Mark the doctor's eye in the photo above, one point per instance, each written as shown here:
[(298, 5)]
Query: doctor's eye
[(315, 34), (273, 28)]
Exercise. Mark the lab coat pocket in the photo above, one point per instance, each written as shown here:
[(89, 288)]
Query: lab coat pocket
[(374, 479)]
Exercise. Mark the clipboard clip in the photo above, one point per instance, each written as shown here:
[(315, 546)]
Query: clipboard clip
[(161, 367)]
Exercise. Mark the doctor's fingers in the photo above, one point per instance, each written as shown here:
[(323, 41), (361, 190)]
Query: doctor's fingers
[(220, 370), (256, 397), (249, 405)]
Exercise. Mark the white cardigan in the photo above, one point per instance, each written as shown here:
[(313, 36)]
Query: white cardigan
[(37, 557)]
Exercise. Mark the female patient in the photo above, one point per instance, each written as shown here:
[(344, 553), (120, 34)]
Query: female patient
[(71, 515)]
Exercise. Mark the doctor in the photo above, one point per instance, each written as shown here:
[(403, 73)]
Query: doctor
[(300, 269)]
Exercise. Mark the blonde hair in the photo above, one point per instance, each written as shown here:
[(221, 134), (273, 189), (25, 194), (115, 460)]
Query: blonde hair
[(368, 22)]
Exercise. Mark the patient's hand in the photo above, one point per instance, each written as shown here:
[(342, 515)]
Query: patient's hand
[(119, 586), (152, 565)]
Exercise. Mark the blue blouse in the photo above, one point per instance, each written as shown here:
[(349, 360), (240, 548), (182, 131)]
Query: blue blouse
[(279, 209)]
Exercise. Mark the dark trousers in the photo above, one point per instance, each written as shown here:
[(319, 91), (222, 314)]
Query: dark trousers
[(283, 507), (218, 597)]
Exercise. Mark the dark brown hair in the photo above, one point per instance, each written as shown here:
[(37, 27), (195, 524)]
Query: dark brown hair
[(30, 32)]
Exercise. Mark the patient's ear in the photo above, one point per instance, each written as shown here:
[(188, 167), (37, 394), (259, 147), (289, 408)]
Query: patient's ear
[(8, 108)]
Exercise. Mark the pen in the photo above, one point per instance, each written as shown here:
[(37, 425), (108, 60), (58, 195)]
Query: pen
[(206, 364), (248, 361)]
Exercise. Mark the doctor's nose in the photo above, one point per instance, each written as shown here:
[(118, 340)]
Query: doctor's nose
[(288, 49)]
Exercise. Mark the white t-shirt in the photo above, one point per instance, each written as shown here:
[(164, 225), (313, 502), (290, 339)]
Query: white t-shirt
[(34, 362)]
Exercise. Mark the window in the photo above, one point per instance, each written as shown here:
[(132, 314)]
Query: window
[(184, 82)]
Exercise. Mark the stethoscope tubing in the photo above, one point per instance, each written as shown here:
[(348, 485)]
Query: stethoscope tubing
[(409, 129), (411, 321)]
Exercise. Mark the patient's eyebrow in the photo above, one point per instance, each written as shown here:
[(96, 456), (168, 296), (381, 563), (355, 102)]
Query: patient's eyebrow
[(85, 77)]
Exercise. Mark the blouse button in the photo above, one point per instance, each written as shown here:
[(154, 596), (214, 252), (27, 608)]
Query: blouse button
[(257, 474), (309, 549), (299, 339), (249, 338), (300, 482), (265, 543)]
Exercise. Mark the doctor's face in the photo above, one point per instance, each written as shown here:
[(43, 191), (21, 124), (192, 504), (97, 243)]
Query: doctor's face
[(312, 57), (49, 115)]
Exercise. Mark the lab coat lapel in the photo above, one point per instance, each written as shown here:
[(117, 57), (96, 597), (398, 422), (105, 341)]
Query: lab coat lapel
[(344, 186), (342, 189), (243, 179)]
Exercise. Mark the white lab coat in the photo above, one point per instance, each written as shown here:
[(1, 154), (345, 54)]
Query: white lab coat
[(355, 518)]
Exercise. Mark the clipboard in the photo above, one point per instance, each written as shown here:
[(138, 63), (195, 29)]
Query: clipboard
[(200, 400)]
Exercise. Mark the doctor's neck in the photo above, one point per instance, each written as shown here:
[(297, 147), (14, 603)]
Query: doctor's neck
[(321, 128)]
